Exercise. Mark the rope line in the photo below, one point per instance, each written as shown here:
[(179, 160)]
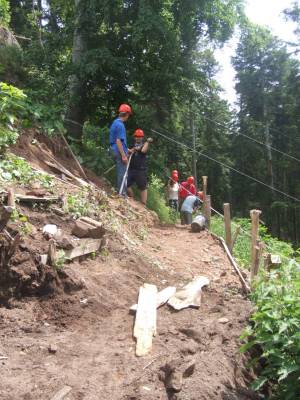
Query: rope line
[(227, 166), (252, 139)]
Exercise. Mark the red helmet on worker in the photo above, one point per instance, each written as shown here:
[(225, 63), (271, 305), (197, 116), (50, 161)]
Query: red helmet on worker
[(190, 180), (200, 195), (125, 108), (138, 133), (175, 172)]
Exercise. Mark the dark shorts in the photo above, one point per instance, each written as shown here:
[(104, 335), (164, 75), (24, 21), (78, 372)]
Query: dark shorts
[(173, 204), (138, 177), (186, 218)]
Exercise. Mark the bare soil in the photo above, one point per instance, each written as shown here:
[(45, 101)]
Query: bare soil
[(73, 327)]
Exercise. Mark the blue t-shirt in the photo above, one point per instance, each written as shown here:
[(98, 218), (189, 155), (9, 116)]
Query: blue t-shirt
[(190, 203), (117, 131)]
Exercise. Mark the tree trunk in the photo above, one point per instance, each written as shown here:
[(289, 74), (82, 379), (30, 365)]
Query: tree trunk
[(76, 111)]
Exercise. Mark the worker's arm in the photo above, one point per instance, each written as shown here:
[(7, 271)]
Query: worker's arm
[(146, 145), (121, 151)]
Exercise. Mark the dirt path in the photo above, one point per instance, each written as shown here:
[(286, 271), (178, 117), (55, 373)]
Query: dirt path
[(91, 330)]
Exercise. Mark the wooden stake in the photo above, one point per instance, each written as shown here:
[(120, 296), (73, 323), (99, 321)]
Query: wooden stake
[(207, 209), (74, 157), (254, 239), (11, 198), (204, 186), (235, 266), (227, 221), (52, 252)]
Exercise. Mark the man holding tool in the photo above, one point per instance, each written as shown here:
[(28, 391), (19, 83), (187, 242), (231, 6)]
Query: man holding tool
[(118, 145), (137, 173)]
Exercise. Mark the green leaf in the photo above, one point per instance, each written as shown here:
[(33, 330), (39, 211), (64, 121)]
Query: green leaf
[(258, 383)]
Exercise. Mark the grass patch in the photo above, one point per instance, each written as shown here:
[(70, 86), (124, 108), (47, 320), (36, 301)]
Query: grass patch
[(156, 201)]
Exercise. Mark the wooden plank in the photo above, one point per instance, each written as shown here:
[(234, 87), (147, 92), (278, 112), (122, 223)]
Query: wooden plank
[(189, 295), (84, 246), (162, 297), (145, 320), (227, 222), (91, 221), (61, 394), (82, 229), (235, 266), (34, 199), (63, 170)]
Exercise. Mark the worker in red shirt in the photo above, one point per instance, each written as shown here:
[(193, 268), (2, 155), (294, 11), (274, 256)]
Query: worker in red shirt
[(187, 188)]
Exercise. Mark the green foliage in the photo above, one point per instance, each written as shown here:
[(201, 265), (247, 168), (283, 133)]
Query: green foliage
[(17, 169), (275, 328), (12, 107), (4, 12), (156, 201), (85, 203), (60, 260), (242, 246)]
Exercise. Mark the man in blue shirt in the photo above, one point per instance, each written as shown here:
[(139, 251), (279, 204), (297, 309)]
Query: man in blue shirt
[(190, 204), (118, 143)]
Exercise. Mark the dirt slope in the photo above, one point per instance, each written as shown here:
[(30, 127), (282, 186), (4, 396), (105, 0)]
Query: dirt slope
[(85, 319)]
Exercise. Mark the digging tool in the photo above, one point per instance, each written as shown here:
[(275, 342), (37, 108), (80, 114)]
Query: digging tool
[(125, 176)]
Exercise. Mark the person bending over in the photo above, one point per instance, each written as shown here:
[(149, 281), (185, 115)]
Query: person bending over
[(190, 205)]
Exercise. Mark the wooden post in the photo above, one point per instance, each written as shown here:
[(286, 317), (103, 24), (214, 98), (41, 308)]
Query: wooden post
[(52, 253), (227, 221), (207, 210), (254, 214), (204, 186), (11, 198)]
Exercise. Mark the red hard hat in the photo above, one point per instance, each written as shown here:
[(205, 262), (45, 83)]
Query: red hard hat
[(125, 108), (190, 180), (200, 195), (138, 133), (175, 172)]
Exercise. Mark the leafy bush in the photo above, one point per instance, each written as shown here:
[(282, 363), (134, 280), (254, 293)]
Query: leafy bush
[(12, 106), (4, 12), (157, 203), (276, 329), (16, 169)]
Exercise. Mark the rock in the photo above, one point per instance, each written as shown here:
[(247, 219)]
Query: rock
[(52, 349), (65, 243), (82, 229), (189, 369), (192, 333), (224, 273), (49, 230), (223, 320), (190, 348)]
